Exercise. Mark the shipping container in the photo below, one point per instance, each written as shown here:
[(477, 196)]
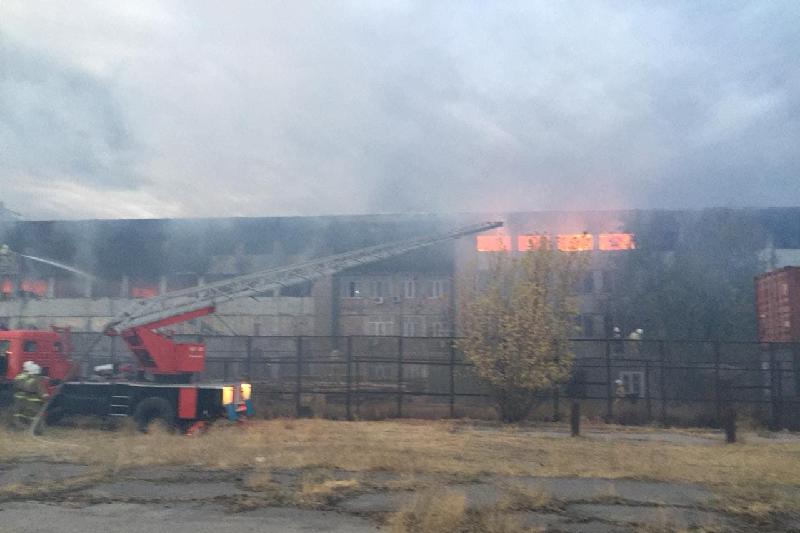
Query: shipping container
[(778, 305)]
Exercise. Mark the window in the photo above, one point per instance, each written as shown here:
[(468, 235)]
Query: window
[(587, 324), (439, 329), (379, 327), (608, 281), (575, 242), (410, 327), (352, 290), (4, 347), (436, 289), (493, 243), (588, 283), (533, 241), (633, 383), (376, 289), (616, 241), (29, 346), (409, 288)]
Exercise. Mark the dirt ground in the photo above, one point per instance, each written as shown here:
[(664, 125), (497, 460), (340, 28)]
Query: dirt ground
[(68, 485)]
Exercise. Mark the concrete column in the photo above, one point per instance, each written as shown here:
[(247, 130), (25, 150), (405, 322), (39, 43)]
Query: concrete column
[(51, 287), (162, 285), (125, 287)]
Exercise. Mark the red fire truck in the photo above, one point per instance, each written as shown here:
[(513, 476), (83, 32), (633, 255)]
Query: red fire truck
[(164, 387)]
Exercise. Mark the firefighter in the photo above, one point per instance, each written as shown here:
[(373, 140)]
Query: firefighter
[(636, 337), (619, 395), (616, 334), (30, 395)]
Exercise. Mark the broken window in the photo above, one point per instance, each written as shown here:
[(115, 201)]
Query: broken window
[(493, 243), (616, 241), (532, 242), (29, 346), (34, 286), (575, 242), (353, 290)]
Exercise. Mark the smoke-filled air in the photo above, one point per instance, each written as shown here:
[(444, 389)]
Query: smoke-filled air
[(198, 108)]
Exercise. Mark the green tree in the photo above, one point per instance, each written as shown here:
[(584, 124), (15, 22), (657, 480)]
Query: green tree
[(514, 324), (691, 276)]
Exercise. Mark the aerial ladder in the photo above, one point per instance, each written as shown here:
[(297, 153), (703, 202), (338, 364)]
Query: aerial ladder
[(164, 387), (168, 361)]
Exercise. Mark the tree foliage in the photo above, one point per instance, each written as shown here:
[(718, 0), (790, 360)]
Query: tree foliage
[(514, 324)]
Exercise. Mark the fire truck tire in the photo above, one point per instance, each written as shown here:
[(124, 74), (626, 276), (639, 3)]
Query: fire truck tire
[(152, 410)]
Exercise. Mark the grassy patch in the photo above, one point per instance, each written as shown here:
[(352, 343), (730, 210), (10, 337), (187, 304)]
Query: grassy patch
[(407, 448), (444, 511)]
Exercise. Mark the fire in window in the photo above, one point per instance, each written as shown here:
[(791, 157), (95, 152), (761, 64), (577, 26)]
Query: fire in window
[(633, 384), (493, 243), (575, 242), (144, 292), (34, 286), (616, 241), (533, 241)]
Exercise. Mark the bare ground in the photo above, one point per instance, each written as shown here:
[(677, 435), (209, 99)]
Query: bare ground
[(397, 476)]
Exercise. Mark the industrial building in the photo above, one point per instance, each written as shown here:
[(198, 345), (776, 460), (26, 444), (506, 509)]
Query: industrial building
[(409, 296)]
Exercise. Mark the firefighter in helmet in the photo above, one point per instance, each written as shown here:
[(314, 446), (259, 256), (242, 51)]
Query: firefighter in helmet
[(30, 395)]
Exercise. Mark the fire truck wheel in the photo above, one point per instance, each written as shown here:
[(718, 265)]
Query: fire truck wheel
[(154, 410)]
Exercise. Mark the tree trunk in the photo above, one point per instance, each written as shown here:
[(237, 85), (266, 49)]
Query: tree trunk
[(514, 405)]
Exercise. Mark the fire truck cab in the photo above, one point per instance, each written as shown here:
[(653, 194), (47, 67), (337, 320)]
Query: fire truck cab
[(45, 348)]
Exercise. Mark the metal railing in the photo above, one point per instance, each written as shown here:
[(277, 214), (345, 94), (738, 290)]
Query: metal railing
[(665, 381)]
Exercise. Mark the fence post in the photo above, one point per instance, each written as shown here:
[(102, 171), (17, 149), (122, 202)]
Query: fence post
[(662, 378), (556, 404), (648, 401), (452, 379), (399, 377), (717, 395), (298, 378), (358, 383), (575, 418), (249, 348), (779, 394), (609, 385), (349, 373), (774, 420)]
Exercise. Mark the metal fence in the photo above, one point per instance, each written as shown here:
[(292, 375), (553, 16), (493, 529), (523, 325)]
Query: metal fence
[(671, 382)]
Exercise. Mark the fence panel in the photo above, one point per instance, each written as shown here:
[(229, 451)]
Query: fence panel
[(684, 382)]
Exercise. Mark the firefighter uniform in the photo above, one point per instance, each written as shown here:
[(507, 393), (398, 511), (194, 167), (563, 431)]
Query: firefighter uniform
[(30, 395)]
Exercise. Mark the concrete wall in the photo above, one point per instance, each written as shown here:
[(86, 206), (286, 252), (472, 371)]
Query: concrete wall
[(246, 316)]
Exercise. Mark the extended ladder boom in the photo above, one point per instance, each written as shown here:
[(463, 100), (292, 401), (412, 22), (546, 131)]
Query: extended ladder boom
[(181, 302)]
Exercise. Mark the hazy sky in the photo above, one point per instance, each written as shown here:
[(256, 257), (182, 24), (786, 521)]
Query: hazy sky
[(146, 108)]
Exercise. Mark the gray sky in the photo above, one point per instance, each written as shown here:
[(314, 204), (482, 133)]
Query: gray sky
[(208, 108)]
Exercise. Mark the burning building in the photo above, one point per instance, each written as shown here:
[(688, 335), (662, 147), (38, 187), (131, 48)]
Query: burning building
[(408, 296)]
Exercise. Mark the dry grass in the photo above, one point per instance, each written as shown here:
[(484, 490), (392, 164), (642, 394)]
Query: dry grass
[(414, 447), (325, 492), (523, 498), (444, 511)]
